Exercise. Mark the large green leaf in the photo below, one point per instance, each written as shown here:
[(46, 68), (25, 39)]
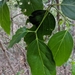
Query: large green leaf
[(4, 16), (40, 59), (28, 6), (68, 8), (48, 23), (61, 45), (20, 33)]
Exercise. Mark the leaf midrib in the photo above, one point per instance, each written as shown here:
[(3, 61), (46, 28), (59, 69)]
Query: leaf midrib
[(40, 56), (60, 44)]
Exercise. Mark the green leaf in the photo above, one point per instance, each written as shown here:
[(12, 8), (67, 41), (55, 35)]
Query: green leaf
[(46, 28), (4, 16), (20, 72), (28, 6), (61, 45), (40, 59), (30, 36), (20, 33), (73, 67), (68, 8), (60, 22), (48, 24)]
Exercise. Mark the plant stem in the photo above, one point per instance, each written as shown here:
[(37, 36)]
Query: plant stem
[(46, 13), (58, 16), (65, 19)]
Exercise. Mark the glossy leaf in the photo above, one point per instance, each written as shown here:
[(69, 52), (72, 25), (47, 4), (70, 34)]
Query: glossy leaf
[(28, 6), (48, 24), (40, 59), (68, 8), (61, 45), (4, 16), (20, 33)]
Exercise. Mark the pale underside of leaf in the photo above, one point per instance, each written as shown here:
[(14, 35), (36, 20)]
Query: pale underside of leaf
[(68, 8)]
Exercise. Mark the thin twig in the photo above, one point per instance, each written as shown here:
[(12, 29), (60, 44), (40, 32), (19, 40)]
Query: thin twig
[(16, 15), (58, 16)]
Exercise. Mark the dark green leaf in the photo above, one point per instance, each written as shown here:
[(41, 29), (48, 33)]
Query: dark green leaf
[(68, 8), (28, 6), (4, 16), (30, 36), (36, 17), (48, 24), (20, 33), (61, 45), (40, 59)]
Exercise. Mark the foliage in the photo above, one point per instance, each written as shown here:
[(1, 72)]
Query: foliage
[(61, 46), (68, 8), (42, 57), (20, 72), (73, 67), (28, 7), (17, 37), (4, 16)]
